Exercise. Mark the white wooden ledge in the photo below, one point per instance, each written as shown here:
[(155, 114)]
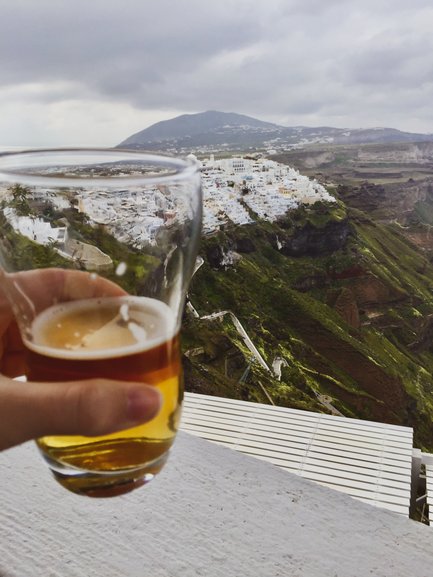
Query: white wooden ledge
[(368, 460)]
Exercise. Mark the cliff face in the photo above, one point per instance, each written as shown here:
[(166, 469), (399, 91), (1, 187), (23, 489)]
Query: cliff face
[(398, 201), (396, 154), (419, 152), (338, 297), (304, 240), (311, 241)]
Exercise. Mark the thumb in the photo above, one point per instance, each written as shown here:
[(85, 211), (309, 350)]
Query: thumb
[(95, 407)]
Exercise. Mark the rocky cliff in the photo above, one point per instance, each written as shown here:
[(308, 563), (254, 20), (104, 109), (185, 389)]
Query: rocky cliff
[(338, 297)]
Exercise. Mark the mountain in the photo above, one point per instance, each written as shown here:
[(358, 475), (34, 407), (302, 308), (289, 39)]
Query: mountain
[(204, 129), (213, 130)]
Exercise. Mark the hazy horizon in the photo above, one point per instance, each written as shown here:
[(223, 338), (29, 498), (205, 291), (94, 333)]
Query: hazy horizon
[(92, 74)]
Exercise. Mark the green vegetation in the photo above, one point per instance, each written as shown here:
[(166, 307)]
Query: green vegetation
[(20, 202), (138, 265), (366, 353), (21, 253), (345, 301)]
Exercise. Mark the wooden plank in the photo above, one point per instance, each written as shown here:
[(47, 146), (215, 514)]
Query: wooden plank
[(220, 402), (398, 453), (348, 473), (364, 490), (295, 427), (299, 425), (390, 486), (368, 460), (401, 450), (297, 459), (288, 423)]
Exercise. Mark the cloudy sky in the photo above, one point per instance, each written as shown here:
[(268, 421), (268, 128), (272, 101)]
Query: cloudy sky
[(91, 72)]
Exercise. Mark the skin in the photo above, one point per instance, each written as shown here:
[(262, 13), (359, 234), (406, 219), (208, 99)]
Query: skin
[(92, 407)]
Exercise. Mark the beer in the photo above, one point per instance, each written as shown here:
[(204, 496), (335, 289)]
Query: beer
[(123, 338)]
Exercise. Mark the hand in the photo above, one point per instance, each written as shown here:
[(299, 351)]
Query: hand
[(93, 407)]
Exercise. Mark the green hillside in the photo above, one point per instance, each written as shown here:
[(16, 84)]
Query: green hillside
[(345, 303), (337, 306)]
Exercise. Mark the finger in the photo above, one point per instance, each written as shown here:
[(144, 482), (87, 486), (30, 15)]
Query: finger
[(6, 314), (12, 357), (95, 407), (13, 364), (81, 285), (34, 291)]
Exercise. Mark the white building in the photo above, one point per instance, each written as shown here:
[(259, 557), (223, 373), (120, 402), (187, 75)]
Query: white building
[(237, 188)]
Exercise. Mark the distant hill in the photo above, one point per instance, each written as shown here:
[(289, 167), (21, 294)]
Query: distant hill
[(213, 130)]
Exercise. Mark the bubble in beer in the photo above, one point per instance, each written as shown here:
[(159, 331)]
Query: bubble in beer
[(121, 269), (124, 312), (139, 333)]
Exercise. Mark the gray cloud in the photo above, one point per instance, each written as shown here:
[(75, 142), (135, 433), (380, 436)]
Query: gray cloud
[(339, 62)]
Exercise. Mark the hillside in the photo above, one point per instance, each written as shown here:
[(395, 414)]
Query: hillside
[(337, 300), (326, 308), (391, 182), (350, 317), (205, 129), (228, 131)]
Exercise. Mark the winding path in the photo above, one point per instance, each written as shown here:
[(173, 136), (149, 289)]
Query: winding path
[(278, 362)]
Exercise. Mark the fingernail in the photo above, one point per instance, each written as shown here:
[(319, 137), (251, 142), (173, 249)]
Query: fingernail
[(143, 404)]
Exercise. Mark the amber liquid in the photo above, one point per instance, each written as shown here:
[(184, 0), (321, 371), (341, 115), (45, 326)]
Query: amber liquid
[(119, 462)]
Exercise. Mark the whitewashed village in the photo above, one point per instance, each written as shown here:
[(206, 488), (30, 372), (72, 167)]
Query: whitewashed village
[(239, 190), (235, 190)]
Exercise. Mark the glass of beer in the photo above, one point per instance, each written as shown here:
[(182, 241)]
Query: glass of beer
[(97, 248)]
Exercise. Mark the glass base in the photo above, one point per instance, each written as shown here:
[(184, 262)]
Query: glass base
[(97, 485)]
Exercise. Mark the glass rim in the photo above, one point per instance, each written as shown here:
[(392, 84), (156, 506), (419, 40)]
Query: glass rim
[(19, 166)]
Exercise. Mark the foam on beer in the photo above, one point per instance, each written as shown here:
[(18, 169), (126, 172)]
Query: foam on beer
[(101, 328)]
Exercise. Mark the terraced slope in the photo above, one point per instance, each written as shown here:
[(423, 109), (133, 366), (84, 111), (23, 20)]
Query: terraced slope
[(346, 304)]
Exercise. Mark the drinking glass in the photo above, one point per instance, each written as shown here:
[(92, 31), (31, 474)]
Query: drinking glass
[(97, 247)]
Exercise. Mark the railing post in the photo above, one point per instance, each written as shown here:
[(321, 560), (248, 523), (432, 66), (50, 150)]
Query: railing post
[(416, 470)]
